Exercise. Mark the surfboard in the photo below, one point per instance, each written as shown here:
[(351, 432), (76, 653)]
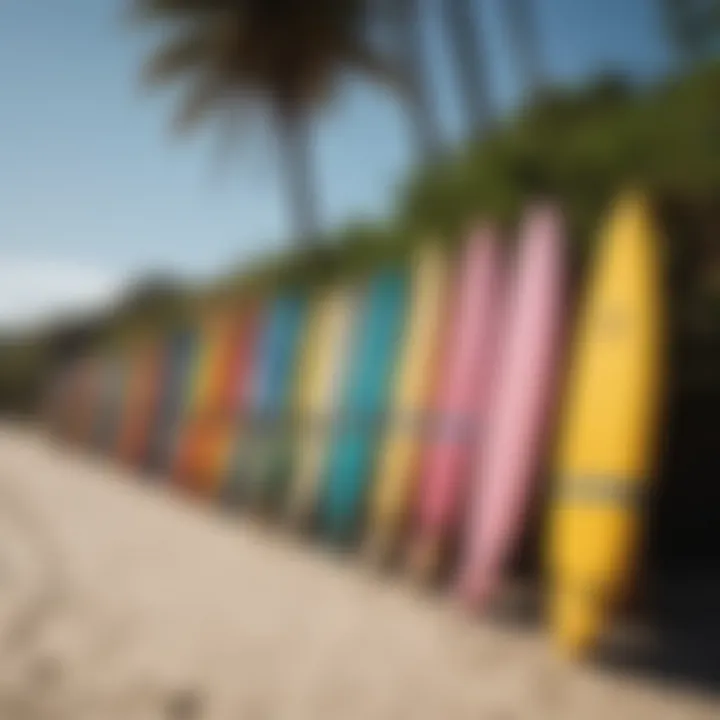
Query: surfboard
[(323, 368), (608, 428), (271, 383), (146, 410), (210, 409), (399, 460), (100, 406), (510, 445), (196, 412), (84, 398), (167, 344), (188, 381), (267, 460), (178, 365), (110, 401), (55, 401), (129, 401), (63, 403), (70, 413), (149, 415), (234, 388), (138, 397), (459, 403), (365, 402), (309, 347)]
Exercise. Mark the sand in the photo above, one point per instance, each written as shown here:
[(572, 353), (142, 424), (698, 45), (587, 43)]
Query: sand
[(121, 599)]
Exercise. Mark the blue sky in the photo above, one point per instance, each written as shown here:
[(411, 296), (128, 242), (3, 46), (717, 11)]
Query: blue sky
[(94, 189)]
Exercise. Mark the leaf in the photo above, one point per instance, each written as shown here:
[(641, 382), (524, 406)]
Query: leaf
[(204, 97), (182, 54), (164, 10)]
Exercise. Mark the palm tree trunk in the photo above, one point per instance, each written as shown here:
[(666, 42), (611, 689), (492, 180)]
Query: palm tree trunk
[(296, 151), (675, 17), (462, 26), (411, 49), (525, 40)]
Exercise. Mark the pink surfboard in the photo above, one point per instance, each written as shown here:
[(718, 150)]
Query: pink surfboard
[(509, 446), (459, 401)]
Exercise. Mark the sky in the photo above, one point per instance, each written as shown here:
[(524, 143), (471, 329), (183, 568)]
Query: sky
[(95, 190)]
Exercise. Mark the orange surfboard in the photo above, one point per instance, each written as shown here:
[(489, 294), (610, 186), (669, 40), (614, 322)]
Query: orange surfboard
[(228, 397), (84, 398), (141, 399), (212, 371)]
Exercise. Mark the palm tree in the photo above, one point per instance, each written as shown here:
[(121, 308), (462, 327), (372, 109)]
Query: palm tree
[(462, 25), (403, 18), (285, 57), (694, 26), (525, 41)]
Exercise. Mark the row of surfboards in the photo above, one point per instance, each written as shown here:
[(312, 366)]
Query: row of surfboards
[(414, 413)]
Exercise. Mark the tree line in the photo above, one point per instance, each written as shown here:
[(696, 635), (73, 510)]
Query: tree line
[(283, 59)]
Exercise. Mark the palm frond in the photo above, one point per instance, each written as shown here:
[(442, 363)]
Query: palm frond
[(234, 121), (366, 61), (164, 10), (240, 55), (181, 54), (204, 97)]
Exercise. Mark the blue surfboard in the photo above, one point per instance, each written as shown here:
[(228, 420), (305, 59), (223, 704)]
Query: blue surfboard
[(271, 382), (365, 400), (267, 459)]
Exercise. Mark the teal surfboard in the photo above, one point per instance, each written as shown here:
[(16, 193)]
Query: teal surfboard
[(365, 399)]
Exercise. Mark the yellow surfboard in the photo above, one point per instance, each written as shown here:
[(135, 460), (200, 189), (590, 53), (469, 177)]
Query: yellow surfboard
[(310, 351), (397, 468), (608, 429), (322, 363)]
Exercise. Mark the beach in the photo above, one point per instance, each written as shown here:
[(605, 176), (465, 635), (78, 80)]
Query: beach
[(123, 599)]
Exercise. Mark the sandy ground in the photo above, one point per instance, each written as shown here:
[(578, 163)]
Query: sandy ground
[(120, 600)]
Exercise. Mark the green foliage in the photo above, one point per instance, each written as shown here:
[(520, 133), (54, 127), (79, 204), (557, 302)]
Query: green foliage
[(24, 365), (581, 147), (233, 52), (693, 26), (154, 302)]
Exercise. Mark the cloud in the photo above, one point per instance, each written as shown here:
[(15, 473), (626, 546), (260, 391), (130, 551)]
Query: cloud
[(35, 291)]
